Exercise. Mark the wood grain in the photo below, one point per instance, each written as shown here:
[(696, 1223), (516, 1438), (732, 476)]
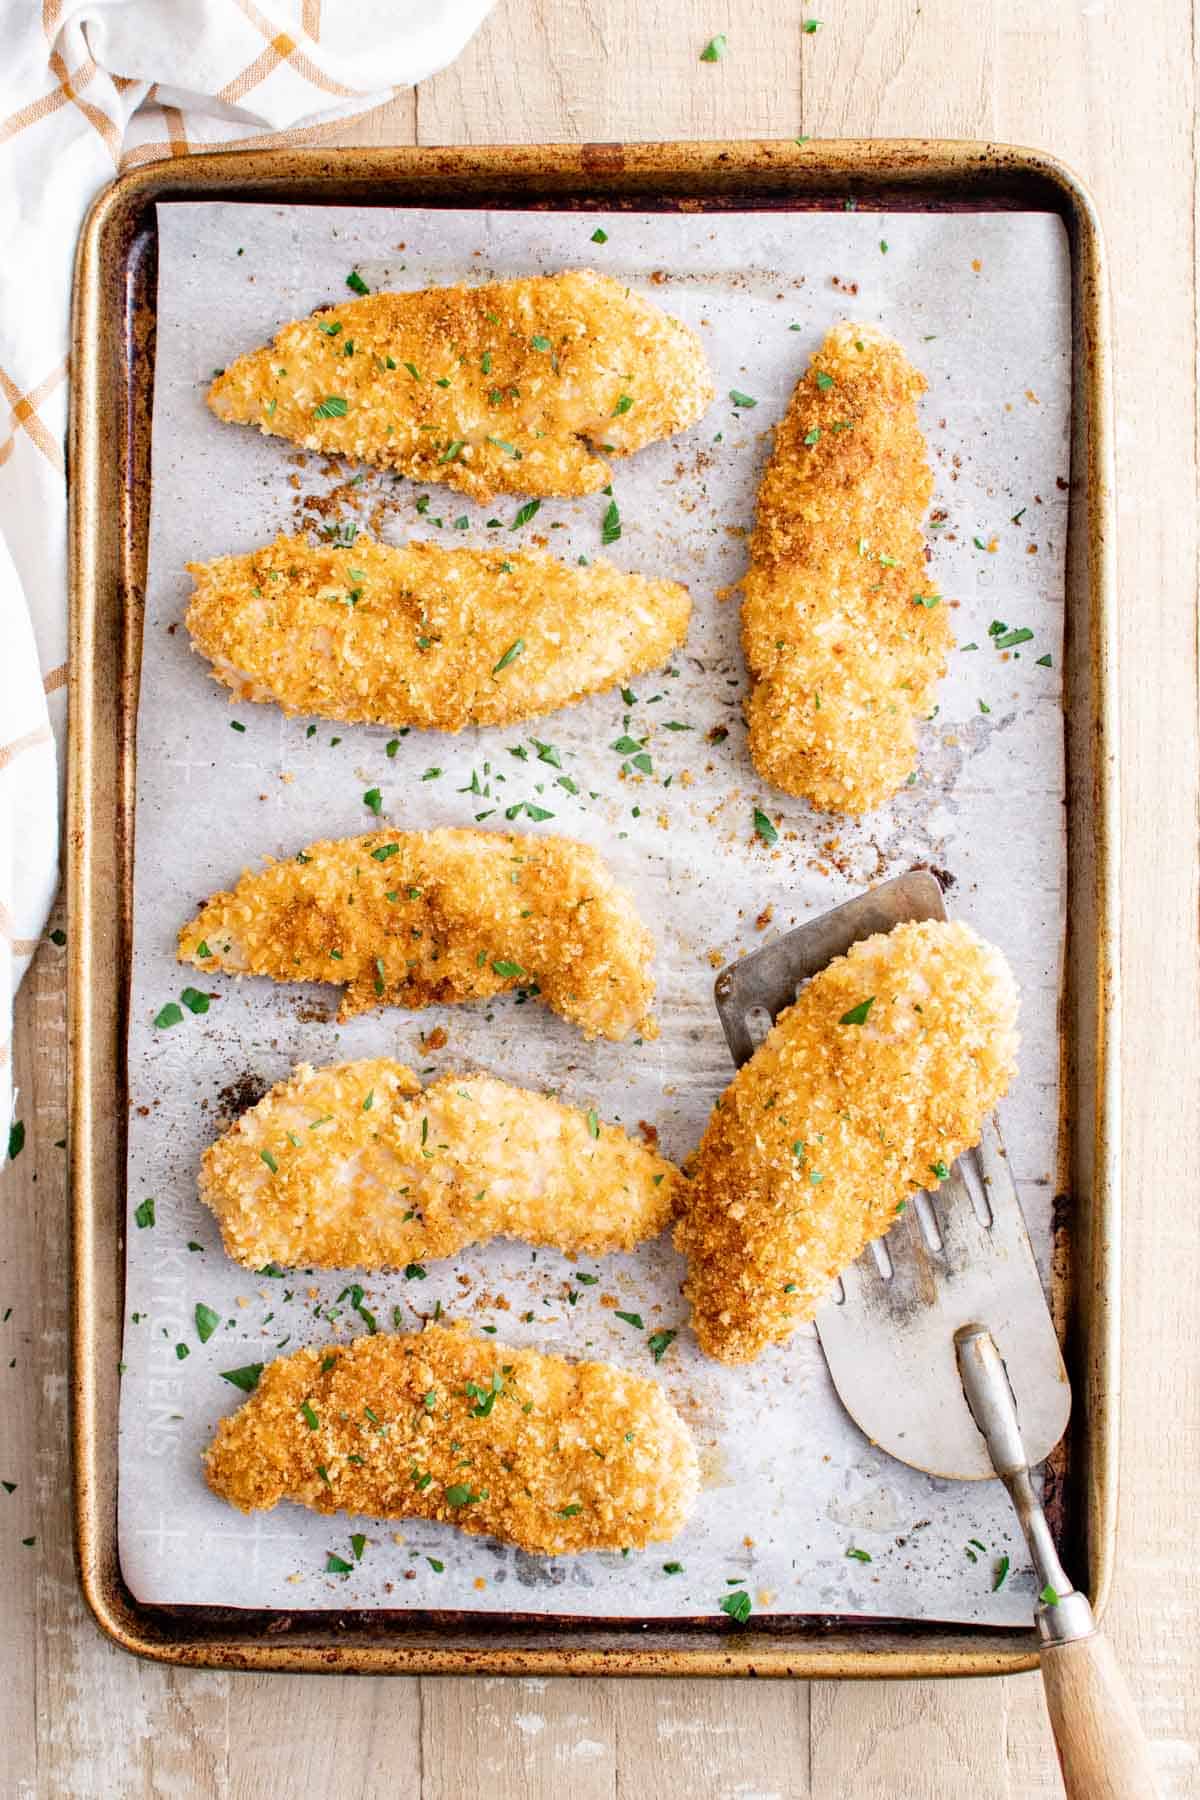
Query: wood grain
[(1112, 90)]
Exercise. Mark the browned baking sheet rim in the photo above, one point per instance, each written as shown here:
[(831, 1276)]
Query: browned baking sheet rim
[(112, 346)]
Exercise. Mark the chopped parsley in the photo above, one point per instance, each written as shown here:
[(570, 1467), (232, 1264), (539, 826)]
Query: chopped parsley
[(764, 828), (743, 400), (245, 1378), (168, 1015), (524, 513), (373, 800), (857, 1014), (356, 284), (510, 655), (599, 236), (738, 1606), (630, 1318), (862, 1556), (143, 1213), (333, 406), (610, 526), (715, 48), (194, 1000), (206, 1321), (593, 1123), (660, 1342)]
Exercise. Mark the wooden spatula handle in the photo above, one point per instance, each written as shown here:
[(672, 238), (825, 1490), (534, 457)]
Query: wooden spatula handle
[(1101, 1749)]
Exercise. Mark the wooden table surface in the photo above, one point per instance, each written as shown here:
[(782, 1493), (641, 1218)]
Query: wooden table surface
[(1110, 88)]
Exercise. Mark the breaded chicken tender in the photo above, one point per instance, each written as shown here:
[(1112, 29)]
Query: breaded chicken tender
[(552, 1456), (842, 627), (865, 1091), (502, 388), (425, 918), (427, 637), (358, 1166)]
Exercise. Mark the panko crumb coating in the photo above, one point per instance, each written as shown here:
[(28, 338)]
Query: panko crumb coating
[(844, 632), (509, 387), (425, 918), (552, 1456), (422, 636), (356, 1166), (865, 1091)]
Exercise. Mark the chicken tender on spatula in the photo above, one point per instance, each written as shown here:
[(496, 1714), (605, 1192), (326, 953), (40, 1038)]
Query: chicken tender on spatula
[(552, 1456), (844, 631), (426, 637), (509, 387), (864, 1092), (358, 1166), (425, 918)]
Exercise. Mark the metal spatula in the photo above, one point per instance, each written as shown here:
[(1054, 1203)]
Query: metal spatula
[(942, 1348)]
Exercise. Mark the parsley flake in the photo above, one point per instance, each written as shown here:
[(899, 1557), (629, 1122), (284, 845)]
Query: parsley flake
[(206, 1321), (245, 1378)]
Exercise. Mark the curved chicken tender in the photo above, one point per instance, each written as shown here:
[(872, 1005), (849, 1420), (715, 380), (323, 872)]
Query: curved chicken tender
[(500, 388), (423, 918), (358, 1166), (836, 1120), (552, 1456), (842, 631), (427, 637)]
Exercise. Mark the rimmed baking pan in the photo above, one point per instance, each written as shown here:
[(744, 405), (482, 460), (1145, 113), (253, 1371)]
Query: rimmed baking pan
[(113, 373)]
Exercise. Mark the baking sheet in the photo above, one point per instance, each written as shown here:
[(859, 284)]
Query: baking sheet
[(982, 302)]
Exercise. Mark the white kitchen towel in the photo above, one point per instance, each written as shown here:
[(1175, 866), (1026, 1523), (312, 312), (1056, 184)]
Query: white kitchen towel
[(87, 90)]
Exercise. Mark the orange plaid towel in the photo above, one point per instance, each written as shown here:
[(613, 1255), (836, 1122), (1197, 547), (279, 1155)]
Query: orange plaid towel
[(87, 88)]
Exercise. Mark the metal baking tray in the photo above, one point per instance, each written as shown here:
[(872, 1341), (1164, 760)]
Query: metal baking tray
[(113, 378)]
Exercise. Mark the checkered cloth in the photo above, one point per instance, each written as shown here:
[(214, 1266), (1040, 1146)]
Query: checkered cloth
[(88, 88)]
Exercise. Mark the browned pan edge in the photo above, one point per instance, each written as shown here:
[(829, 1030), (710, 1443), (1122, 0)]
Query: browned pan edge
[(112, 382)]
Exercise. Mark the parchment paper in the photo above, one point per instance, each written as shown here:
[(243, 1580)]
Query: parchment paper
[(982, 304)]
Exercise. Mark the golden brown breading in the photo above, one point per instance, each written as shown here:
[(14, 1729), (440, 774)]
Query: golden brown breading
[(555, 1457), (842, 633), (424, 918), (358, 1166), (427, 637), (833, 1123), (501, 388)]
